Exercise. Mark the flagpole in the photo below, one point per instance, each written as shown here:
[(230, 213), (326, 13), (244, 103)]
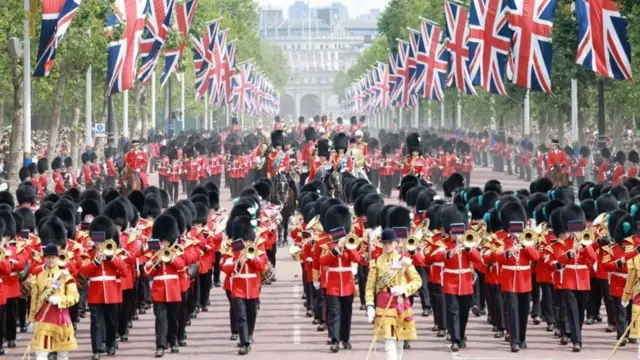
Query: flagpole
[(527, 120), (459, 111), (206, 110), (88, 141), (429, 114), (26, 135), (125, 114), (574, 97), (153, 100), (416, 115), (182, 107), (442, 114), (226, 110), (493, 112)]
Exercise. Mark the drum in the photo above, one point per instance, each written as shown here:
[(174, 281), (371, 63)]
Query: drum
[(25, 287), (267, 274)]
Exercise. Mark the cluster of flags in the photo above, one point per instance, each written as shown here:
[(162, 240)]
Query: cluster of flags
[(480, 45), (139, 29)]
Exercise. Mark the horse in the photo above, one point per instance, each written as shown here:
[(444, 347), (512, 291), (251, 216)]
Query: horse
[(284, 195), (129, 180), (333, 182), (558, 177)]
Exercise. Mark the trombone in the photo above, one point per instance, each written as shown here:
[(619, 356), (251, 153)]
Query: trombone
[(529, 237), (250, 252), (109, 247), (165, 255), (586, 237)]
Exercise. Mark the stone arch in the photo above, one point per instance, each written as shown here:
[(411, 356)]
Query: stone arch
[(310, 105), (287, 107)]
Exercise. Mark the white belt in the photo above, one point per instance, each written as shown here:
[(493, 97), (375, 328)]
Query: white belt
[(457, 271), (243, 276), (576, 267), (165, 277), (441, 264), (339, 269), (622, 275), (103, 278), (15, 273), (516, 267)]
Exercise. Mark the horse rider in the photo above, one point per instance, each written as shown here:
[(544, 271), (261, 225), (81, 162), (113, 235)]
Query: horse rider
[(414, 162), (556, 156), (341, 160), (277, 124), (319, 165), (277, 159), (136, 160)]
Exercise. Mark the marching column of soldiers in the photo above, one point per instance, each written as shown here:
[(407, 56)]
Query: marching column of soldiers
[(541, 252)]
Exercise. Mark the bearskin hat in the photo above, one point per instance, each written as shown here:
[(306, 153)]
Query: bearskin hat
[(584, 190), (399, 217), (202, 199), (110, 195), (165, 227), (117, 212), (630, 183), (277, 138), (493, 185), (68, 161), (338, 221), (315, 186), (9, 223), (535, 200), (24, 173), (105, 224), (56, 163), (179, 216), (26, 193), (453, 183), (550, 206), (7, 198), (453, 214), (605, 153), (340, 141), (263, 188), (242, 228), (414, 143), (589, 208), (544, 185), (323, 147), (202, 213), (322, 208), (568, 150), (310, 133), (621, 157), (172, 154), (512, 212), (137, 199), (564, 193), (585, 151), (152, 207), (43, 165), (386, 149), (89, 208), (73, 194), (624, 228), (199, 148), (556, 220), (620, 192), (606, 203), (412, 195), (85, 157), (51, 230)]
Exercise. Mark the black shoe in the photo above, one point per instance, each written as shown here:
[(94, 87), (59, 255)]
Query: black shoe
[(475, 310), (463, 343), (244, 350), (205, 309), (557, 333), (536, 321), (103, 348), (589, 321), (129, 325), (632, 341), (147, 306), (576, 348), (623, 342), (216, 284), (483, 312), (23, 329), (448, 338), (304, 296), (111, 350), (515, 348), (124, 338), (598, 318), (234, 337), (188, 323), (309, 313), (523, 345), (135, 317), (315, 322), (346, 345), (565, 340), (499, 334), (193, 315), (335, 347), (507, 337), (455, 347), (551, 327), (11, 344), (406, 345), (494, 328), (96, 356), (329, 342), (426, 312), (159, 352), (435, 328), (321, 327), (175, 349), (363, 307), (1, 350), (143, 311), (182, 343), (610, 329), (441, 333)]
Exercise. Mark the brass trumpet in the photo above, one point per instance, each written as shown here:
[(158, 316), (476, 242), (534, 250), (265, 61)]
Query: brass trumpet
[(528, 238), (411, 243), (63, 259), (352, 242), (164, 255), (110, 247), (586, 237), (250, 252), (471, 239)]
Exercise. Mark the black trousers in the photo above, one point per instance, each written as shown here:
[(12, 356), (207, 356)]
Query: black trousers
[(423, 291), (205, 288), (126, 310), (375, 177), (467, 177), (183, 181), (386, 185), (438, 305), (190, 186), (183, 315), (479, 288), (216, 179), (595, 299), (485, 159), (318, 306), (605, 291), (363, 272), (233, 317), (104, 319), (457, 315), (497, 307), (547, 303), (271, 255), (173, 191), (167, 315), (307, 286), (246, 312), (11, 318), (216, 267), (110, 181), (576, 302), (339, 310), (620, 315), (517, 312), (143, 290), (23, 308), (535, 297), (3, 316), (194, 292)]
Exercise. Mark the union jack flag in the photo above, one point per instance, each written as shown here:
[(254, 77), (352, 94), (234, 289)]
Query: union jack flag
[(412, 63), (393, 79), (244, 87), (122, 54), (457, 33), (382, 86), (401, 72), (217, 66), (489, 43), (56, 18), (603, 46), (184, 17), (203, 57), (531, 52), (159, 14), (436, 58), (228, 72)]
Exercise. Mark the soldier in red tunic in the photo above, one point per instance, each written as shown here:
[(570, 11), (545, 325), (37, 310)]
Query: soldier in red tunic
[(467, 162), (618, 171), (42, 181), (556, 156), (414, 162), (110, 178), (341, 161), (307, 153), (634, 159), (603, 168), (277, 124), (136, 160), (57, 177), (277, 159), (87, 174), (540, 160), (388, 165), (320, 165), (373, 159), (581, 166)]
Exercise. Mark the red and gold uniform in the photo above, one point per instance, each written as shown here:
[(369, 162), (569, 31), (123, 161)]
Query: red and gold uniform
[(277, 161), (413, 165), (342, 162)]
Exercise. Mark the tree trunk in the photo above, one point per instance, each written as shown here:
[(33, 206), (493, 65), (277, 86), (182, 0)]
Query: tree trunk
[(55, 118), (75, 134), (560, 123), (17, 124), (145, 114), (137, 90)]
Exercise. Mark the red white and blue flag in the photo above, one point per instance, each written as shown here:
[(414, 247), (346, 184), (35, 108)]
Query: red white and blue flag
[(56, 18), (382, 87), (203, 57), (457, 32), (184, 17), (531, 22), (603, 44), (401, 72), (122, 54), (217, 66), (436, 58), (228, 71), (157, 25), (242, 88), (489, 44)]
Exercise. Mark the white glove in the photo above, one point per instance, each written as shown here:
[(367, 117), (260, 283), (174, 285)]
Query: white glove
[(30, 327), (625, 303), (371, 314), (53, 300), (354, 270), (316, 285), (397, 290)]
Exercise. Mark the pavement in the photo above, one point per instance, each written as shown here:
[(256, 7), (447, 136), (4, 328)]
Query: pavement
[(284, 333)]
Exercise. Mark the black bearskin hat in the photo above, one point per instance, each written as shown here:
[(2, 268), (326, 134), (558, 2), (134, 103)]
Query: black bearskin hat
[(493, 185), (277, 138), (338, 221), (310, 133), (452, 184), (106, 225), (26, 193), (620, 192), (605, 153), (414, 143), (56, 163), (85, 157), (512, 212), (152, 207), (340, 141), (543, 185), (24, 173), (43, 165), (51, 230), (68, 162), (399, 217), (202, 199), (634, 157), (165, 228), (453, 214), (589, 208), (202, 213), (117, 212), (323, 148), (606, 203), (585, 151), (89, 208), (263, 188)]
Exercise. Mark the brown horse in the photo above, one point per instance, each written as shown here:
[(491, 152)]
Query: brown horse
[(558, 177), (130, 181)]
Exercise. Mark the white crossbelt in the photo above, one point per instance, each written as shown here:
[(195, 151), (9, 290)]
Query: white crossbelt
[(339, 269), (103, 278), (243, 276), (165, 277), (441, 264), (516, 267), (577, 267), (457, 271)]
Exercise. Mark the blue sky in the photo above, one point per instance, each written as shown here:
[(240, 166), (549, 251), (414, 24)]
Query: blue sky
[(356, 7)]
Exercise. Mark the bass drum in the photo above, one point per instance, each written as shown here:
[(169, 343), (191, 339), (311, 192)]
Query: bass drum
[(267, 275)]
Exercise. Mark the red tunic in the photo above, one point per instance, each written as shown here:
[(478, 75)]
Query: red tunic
[(277, 161), (457, 278), (615, 263), (575, 272), (165, 286), (515, 274), (618, 173), (413, 165), (339, 277), (103, 280), (245, 279)]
